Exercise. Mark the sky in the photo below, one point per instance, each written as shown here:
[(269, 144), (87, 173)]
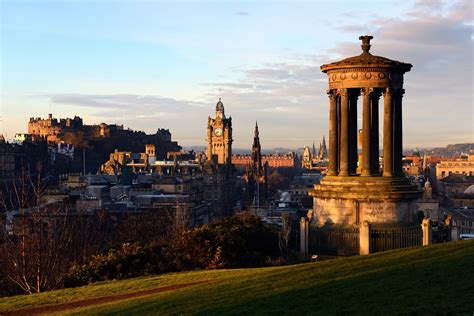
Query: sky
[(160, 64)]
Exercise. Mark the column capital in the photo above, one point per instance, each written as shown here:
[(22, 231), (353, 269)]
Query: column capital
[(343, 92), (331, 94), (388, 92), (367, 91)]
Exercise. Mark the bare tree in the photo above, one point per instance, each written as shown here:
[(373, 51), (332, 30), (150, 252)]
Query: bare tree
[(39, 236)]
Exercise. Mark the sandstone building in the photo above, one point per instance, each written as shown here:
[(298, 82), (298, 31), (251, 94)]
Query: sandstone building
[(289, 160), (219, 172), (219, 136)]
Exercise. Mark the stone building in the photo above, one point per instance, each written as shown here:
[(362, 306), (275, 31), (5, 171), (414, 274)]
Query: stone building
[(307, 158), (289, 160), (53, 129), (7, 160), (64, 130), (218, 170), (429, 205), (455, 191), (25, 159), (446, 168), (345, 197), (310, 160), (462, 221), (219, 136)]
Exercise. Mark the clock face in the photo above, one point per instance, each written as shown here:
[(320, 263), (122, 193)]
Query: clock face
[(218, 131)]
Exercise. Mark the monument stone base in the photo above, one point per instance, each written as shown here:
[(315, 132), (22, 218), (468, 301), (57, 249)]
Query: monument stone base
[(355, 199)]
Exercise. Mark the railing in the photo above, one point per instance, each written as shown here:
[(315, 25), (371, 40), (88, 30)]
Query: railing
[(440, 234), (389, 238), (334, 240)]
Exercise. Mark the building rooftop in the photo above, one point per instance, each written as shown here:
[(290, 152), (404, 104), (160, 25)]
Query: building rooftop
[(458, 178)]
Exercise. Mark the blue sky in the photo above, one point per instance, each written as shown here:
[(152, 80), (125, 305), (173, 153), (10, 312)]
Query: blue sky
[(161, 64)]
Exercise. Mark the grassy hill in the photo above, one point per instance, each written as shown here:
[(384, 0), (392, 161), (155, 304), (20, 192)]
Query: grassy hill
[(438, 278)]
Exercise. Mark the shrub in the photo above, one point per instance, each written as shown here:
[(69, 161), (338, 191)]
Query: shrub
[(235, 242), (238, 241), (131, 260)]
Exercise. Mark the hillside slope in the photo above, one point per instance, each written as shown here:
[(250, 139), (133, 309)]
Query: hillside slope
[(439, 278)]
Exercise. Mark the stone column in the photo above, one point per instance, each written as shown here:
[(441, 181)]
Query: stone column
[(398, 133), (427, 232), (364, 238), (366, 132), (353, 131), (344, 149), (333, 149), (304, 236), (374, 133), (388, 133)]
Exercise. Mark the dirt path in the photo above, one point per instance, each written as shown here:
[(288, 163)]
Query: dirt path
[(96, 301)]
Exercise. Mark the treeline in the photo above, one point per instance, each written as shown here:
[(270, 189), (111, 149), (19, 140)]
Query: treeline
[(78, 250), (235, 242)]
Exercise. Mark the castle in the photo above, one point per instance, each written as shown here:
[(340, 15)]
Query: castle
[(67, 130)]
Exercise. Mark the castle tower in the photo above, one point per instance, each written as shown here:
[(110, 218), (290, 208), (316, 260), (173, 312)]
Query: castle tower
[(344, 196), (219, 136)]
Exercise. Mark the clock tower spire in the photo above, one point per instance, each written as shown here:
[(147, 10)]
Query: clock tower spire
[(219, 136)]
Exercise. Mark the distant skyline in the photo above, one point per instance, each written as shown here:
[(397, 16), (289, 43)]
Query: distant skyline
[(151, 65)]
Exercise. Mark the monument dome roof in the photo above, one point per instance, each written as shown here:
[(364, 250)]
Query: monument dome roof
[(366, 59)]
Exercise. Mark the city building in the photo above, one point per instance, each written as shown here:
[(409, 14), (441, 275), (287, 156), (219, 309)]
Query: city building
[(462, 221), (446, 168), (275, 161), (310, 160), (429, 205), (455, 190), (219, 172), (219, 136)]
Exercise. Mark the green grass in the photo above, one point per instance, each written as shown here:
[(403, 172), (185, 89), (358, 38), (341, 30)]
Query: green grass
[(438, 278)]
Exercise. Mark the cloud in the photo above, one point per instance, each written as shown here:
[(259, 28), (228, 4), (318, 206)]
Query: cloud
[(122, 101), (288, 98), (242, 13), (436, 37)]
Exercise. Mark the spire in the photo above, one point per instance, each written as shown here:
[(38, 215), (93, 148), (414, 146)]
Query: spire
[(220, 109), (256, 151), (323, 152), (313, 153)]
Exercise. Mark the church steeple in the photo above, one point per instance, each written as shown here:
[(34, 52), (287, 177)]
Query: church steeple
[(323, 152)]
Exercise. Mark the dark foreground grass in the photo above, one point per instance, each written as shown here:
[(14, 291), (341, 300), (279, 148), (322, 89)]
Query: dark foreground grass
[(435, 279)]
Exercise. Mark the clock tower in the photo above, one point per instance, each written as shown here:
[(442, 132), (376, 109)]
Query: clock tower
[(219, 136)]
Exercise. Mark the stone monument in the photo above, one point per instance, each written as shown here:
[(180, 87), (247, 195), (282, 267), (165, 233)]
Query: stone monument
[(344, 196)]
